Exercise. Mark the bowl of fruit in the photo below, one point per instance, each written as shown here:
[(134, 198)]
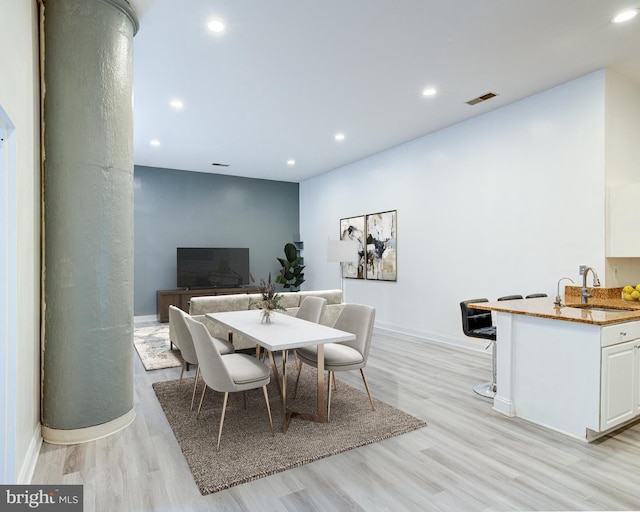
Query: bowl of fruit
[(631, 293)]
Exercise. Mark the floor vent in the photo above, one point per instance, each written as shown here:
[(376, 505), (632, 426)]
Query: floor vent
[(482, 98)]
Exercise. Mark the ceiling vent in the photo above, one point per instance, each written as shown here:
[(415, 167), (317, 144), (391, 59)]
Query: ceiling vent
[(482, 98)]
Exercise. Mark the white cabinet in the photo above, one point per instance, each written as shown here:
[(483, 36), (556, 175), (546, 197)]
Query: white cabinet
[(580, 379), (623, 211), (620, 384)]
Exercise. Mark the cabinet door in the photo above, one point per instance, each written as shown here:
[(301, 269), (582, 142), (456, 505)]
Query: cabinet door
[(164, 300), (623, 208), (618, 402)]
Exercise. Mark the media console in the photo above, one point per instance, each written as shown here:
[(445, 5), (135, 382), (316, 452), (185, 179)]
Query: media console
[(181, 298)]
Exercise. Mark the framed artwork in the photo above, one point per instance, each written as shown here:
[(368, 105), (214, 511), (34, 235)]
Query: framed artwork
[(381, 257), (353, 229)]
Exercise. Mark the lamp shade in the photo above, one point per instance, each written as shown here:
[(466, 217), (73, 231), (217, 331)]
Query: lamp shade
[(342, 250)]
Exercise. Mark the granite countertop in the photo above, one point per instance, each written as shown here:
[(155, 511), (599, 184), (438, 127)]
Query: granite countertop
[(571, 311)]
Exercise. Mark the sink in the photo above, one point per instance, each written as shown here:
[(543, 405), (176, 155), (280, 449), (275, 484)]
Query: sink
[(601, 308)]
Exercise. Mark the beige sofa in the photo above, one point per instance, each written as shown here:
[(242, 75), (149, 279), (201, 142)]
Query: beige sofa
[(200, 306)]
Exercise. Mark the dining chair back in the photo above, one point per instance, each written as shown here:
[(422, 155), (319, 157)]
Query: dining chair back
[(357, 319), (183, 340), (311, 309)]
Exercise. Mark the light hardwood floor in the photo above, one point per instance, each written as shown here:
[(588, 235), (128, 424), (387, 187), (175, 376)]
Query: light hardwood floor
[(468, 457)]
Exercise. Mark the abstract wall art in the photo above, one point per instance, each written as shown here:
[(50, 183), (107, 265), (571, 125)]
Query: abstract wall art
[(381, 252), (352, 228)]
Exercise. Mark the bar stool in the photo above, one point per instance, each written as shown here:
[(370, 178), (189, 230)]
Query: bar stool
[(477, 323)]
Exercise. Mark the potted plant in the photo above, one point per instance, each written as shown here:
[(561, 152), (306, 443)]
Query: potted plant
[(291, 275)]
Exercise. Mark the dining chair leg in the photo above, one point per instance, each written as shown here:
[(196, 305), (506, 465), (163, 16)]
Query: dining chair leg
[(224, 408), (195, 385), (184, 364), (295, 388), (266, 401), (366, 385), (201, 399), (330, 376)]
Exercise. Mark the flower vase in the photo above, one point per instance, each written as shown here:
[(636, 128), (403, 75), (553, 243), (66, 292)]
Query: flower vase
[(265, 316)]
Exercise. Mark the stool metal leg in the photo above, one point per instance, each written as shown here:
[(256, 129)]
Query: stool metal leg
[(488, 389)]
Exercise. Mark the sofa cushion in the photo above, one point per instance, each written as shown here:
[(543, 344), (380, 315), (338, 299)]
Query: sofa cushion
[(218, 304), (290, 299)]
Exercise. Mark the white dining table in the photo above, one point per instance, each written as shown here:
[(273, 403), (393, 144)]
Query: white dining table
[(285, 333)]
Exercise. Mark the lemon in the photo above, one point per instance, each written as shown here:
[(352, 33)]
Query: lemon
[(627, 296), (628, 289), (638, 287), (635, 295)]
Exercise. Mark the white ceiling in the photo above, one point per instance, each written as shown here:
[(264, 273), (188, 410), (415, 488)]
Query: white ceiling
[(286, 75)]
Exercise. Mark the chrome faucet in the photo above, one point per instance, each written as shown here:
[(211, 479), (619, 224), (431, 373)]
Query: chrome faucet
[(558, 301), (584, 293)]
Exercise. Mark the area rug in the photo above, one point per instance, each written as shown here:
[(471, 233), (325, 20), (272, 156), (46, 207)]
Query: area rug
[(152, 345), (248, 451)]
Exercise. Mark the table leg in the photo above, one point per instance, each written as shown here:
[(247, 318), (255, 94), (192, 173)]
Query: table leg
[(276, 374), (284, 392), (320, 415)]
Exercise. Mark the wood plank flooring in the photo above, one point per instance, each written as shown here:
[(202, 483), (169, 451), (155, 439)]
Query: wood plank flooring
[(468, 458)]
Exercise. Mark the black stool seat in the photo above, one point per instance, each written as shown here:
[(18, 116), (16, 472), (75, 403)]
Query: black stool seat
[(510, 297), (477, 323)]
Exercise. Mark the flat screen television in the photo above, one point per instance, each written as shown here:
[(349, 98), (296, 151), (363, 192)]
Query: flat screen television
[(208, 267)]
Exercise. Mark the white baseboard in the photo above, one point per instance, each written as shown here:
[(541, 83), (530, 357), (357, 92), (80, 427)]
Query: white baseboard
[(31, 459), (469, 344), (86, 434)]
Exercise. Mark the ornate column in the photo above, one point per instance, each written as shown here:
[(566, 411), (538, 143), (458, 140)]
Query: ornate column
[(87, 379)]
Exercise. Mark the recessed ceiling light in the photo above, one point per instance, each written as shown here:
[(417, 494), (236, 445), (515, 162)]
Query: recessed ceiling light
[(339, 136), (176, 104), (430, 91), (215, 26), (155, 143), (291, 161), (624, 16)]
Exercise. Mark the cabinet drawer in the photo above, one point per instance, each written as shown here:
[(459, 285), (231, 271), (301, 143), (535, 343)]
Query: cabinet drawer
[(619, 333)]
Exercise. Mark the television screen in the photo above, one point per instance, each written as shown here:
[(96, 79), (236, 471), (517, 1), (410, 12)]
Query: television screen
[(212, 267)]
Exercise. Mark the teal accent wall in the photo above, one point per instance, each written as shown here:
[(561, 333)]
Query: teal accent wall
[(174, 208)]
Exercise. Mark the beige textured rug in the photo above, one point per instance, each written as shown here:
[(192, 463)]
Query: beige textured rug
[(248, 452), (152, 345)]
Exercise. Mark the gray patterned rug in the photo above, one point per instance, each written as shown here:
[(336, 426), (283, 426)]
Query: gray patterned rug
[(248, 452), (152, 345)]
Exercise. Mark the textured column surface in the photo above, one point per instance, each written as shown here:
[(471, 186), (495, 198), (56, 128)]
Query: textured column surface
[(88, 212)]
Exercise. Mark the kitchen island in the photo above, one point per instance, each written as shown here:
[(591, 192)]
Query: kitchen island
[(572, 368)]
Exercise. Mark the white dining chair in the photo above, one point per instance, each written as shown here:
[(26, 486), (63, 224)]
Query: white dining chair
[(184, 342), (357, 319), (228, 373)]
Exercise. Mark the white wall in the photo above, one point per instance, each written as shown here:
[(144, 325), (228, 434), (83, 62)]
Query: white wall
[(507, 202), (19, 99)]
